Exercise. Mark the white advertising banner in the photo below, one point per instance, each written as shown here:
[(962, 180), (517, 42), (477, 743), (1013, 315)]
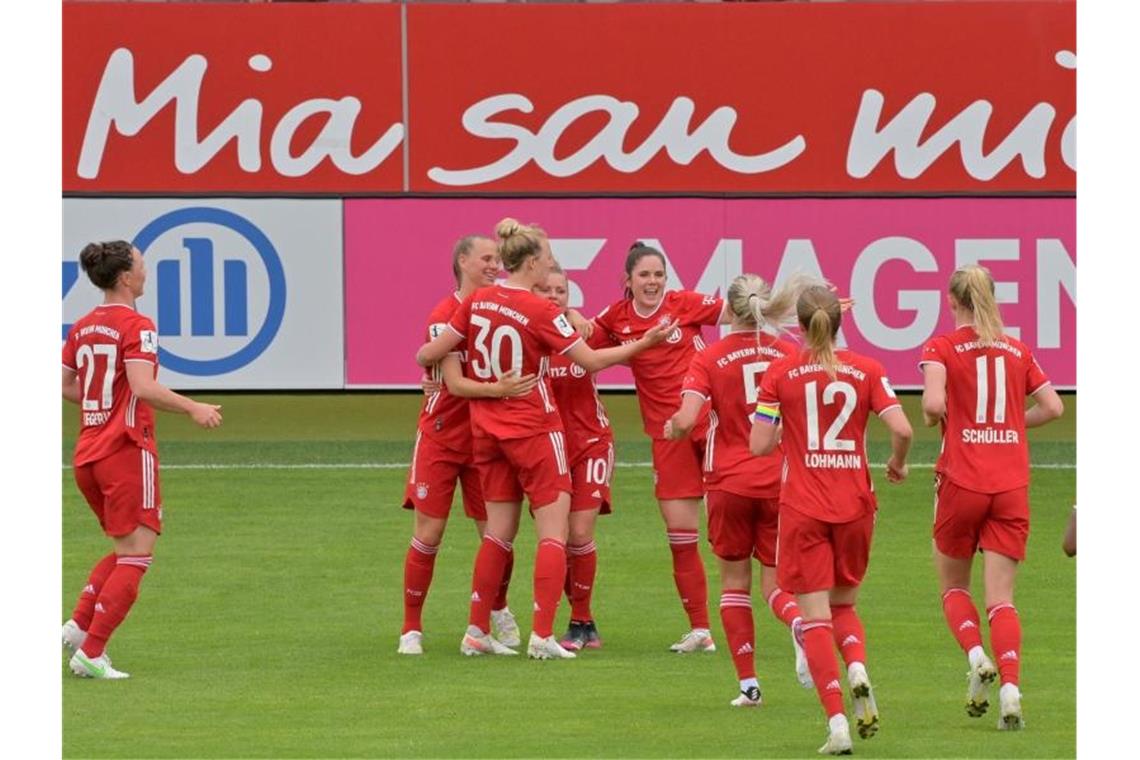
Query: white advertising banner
[(245, 294)]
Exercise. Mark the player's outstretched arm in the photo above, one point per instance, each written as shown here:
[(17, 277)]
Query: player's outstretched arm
[(933, 393), (140, 376), (1047, 408), (901, 435), (71, 386), (510, 384), (593, 360), (683, 420)]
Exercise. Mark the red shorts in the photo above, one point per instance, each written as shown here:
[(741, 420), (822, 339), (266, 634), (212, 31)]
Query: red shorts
[(431, 481), (677, 468), (590, 475), (966, 520), (813, 555), (534, 466), (123, 491), (742, 526)]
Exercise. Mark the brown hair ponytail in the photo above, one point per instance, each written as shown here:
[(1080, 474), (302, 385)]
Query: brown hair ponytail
[(973, 287), (819, 315)]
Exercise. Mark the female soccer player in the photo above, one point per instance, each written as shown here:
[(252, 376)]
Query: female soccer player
[(590, 451), (110, 361), (742, 490), (519, 444), (443, 455), (975, 380), (657, 376), (827, 503)]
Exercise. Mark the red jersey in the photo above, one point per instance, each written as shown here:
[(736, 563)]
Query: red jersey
[(728, 374), (824, 430), (576, 394), (659, 371), (98, 347), (507, 328), (983, 433), (445, 418)]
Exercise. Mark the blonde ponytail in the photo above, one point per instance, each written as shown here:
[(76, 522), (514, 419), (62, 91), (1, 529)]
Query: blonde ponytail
[(972, 287), (819, 316), (517, 242)]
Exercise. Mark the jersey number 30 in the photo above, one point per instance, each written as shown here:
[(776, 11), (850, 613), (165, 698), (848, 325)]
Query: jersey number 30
[(488, 363)]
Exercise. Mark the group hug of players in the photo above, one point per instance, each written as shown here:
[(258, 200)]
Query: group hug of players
[(768, 431)]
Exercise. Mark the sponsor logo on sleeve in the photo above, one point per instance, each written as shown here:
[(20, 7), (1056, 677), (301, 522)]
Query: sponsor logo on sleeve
[(148, 341), (563, 326)]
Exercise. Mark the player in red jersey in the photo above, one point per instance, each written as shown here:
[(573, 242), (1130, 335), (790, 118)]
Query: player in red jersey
[(658, 374), (590, 452), (442, 455), (110, 362), (519, 443), (975, 380), (824, 397), (742, 490)]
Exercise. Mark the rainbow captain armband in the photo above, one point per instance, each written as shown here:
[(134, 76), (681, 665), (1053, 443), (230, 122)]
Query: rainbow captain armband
[(769, 414)]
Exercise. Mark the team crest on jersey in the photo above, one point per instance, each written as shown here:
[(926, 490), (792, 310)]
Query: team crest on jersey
[(577, 371), (675, 336), (148, 341), (421, 490), (438, 424), (563, 326)]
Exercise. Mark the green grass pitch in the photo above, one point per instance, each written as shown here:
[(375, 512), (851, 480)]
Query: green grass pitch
[(267, 625)]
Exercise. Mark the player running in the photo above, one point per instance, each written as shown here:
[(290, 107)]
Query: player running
[(742, 490), (975, 380), (110, 362), (657, 375), (442, 455), (820, 398), (590, 451), (519, 443)]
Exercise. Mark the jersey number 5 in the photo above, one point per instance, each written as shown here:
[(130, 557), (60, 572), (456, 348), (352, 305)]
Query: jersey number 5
[(85, 357), (831, 439), (489, 363)]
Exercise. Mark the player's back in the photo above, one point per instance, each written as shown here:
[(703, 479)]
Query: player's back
[(98, 348), (509, 328), (729, 373), (824, 425), (983, 433)]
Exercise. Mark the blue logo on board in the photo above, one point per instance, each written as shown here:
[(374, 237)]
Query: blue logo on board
[(190, 287)]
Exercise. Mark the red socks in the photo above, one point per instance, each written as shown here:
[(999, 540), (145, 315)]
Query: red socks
[(419, 564), (848, 632), (1005, 638), (549, 575), (739, 629), (962, 617), (784, 606), (689, 575), (501, 599), (582, 567), (490, 564), (85, 607), (114, 601), (823, 665)]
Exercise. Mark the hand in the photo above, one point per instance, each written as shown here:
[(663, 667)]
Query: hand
[(585, 327), (512, 384), (659, 332), (671, 431), (896, 471), (206, 415), (430, 386)]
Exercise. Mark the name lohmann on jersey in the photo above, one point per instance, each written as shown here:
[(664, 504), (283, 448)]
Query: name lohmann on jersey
[(833, 461), (989, 435)]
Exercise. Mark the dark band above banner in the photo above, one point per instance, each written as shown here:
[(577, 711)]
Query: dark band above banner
[(849, 98)]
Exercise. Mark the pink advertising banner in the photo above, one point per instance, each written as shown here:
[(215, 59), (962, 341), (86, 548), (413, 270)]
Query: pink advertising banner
[(893, 256)]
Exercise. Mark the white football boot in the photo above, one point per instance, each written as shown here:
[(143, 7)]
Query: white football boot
[(749, 697), (696, 640), (838, 737), (1010, 698), (547, 649), (475, 642), (411, 642), (803, 672), (863, 701), (978, 681), (505, 627), (95, 667)]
